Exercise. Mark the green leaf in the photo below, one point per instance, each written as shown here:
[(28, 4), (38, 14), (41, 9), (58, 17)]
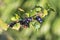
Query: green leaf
[(35, 24), (3, 25), (10, 8), (47, 23), (32, 13), (56, 26), (42, 3), (55, 6), (30, 4)]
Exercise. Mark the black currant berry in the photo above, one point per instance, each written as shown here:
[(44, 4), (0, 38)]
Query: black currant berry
[(29, 19), (26, 21), (12, 24), (39, 19), (21, 22)]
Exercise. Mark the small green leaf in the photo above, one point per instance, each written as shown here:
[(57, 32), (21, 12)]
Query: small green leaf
[(35, 24), (32, 13)]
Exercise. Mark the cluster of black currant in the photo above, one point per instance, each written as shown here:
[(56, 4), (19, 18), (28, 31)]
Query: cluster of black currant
[(26, 21)]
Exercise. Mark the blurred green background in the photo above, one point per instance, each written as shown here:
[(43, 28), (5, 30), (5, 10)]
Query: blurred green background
[(50, 28)]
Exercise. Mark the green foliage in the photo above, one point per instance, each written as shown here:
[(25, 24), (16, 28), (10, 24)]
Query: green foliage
[(48, 30)]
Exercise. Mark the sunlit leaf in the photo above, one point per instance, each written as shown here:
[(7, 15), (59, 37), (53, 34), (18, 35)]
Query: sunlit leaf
[(3, 25)]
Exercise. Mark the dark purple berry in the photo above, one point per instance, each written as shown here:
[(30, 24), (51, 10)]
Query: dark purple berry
[(21, 22), (30, 19), (12, 24), (26, 21), (39, 19)]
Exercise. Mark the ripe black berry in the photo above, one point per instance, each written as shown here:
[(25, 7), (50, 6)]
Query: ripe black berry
[(21, 22), (39, 19), (12, 24), (29, 19), (26, 21)]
